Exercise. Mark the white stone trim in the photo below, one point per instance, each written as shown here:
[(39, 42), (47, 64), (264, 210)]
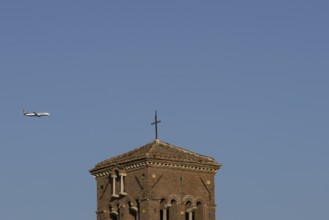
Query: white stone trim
[(140, 165), (113, 176)]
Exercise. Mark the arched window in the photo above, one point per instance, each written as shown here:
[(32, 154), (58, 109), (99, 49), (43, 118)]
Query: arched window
[(189, 211), (114, 215), (118, 180), (133, 211), (173, 210), (115, 212), (139, 209), (199, 211), (164, 210)]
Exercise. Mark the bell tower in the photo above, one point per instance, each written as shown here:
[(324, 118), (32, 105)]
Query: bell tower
[(157, 181)]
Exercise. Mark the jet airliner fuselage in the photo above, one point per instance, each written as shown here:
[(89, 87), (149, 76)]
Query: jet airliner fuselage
[(35, 114)]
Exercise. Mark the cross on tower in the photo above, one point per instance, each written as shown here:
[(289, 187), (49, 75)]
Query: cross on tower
[(156, 122)]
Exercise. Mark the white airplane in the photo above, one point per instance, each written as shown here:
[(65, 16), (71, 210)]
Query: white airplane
[(35, 114)]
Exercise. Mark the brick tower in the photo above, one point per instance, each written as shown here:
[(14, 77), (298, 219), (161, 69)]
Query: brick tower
[(157, 181)]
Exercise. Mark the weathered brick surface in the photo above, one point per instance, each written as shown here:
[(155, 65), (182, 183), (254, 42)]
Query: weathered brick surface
[(161, 181)]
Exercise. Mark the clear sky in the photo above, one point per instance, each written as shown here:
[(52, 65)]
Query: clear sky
[(245, 82)]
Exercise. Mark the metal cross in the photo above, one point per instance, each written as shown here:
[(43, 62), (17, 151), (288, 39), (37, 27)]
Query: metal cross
[(156, 122)]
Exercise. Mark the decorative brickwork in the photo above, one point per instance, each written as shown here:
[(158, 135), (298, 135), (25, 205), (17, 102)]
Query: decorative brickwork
[(157, 181)]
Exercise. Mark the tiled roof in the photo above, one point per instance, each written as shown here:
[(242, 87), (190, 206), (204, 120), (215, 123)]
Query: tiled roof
[(159, 150)]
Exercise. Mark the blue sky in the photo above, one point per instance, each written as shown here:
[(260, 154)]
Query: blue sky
[(245, 82)]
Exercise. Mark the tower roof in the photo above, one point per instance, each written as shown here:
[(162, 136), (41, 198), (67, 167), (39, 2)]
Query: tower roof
[(160, 151)]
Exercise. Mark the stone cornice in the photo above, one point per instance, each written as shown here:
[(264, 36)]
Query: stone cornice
[(140, 164)]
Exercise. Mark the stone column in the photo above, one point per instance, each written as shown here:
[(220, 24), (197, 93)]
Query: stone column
[(164, 214), (190, 212), (190, 216), (165, 211), (113, 185), (122, 183)]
